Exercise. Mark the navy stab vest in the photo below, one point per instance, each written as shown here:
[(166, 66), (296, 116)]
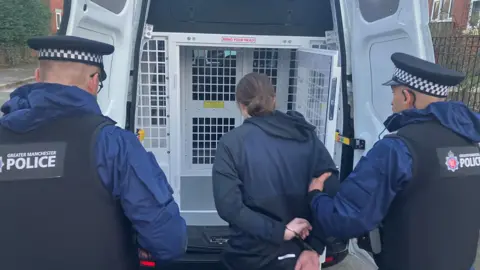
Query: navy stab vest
[(434, 222), (55, 212)]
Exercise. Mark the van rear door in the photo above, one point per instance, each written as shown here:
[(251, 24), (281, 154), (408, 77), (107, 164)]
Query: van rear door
[(114, 22), (377, 29), (374, 31)]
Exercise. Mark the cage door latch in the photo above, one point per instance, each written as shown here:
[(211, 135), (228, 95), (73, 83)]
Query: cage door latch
[(358, 144)]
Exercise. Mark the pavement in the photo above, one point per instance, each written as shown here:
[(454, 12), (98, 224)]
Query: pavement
[(11, 78)]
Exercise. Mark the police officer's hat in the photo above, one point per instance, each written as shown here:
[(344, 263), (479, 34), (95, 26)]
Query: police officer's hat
[(423, 76), (72, 49)]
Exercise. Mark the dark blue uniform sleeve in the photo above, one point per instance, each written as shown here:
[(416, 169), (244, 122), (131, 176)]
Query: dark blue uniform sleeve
[(134, 177), (365, 196), (323, 163)]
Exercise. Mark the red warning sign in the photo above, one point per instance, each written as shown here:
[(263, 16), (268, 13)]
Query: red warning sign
[(239, 39)]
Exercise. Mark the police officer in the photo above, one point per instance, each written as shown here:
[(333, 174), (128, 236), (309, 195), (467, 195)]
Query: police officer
[(420, 184), (72, 184)]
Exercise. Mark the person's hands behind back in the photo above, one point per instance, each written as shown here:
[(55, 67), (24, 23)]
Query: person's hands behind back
[(299, 226)]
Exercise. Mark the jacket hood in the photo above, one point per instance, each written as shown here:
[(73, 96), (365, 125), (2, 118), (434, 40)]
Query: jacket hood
[(32, 105), (291, 125), (455, 116)]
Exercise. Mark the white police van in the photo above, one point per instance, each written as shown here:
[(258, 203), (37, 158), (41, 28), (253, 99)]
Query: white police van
[(176, 64)]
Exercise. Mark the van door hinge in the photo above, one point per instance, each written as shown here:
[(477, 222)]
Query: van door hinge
[(147, 31), (349, 77), (358, 144)]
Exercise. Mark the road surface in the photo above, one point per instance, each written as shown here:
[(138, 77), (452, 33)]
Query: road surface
[(17, 74)]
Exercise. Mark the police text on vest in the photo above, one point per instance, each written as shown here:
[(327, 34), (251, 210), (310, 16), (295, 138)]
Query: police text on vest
[(469, 160), (31, 160)]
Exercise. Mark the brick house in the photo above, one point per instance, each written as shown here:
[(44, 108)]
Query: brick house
[(455, 29), (458, 14), (56, 8)]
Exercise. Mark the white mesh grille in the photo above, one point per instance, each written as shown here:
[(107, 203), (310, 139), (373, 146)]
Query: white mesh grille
[(317, 101), (214, 75), (206, 133), (314, 72), (292, 81), (265, 61), (214, 78), (151, 112)]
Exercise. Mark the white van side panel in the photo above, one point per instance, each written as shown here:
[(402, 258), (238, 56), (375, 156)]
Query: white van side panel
[(379, 29)]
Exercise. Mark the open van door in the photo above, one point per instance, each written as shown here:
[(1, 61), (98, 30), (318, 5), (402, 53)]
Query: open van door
[(380, 28), (318, 92), (115, 22), (375, 30)]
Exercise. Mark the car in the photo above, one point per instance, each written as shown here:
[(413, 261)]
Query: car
[(177, 62)]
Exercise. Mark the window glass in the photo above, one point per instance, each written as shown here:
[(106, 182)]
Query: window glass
[(58, 18), (435, 10), (475, 16), (374, 10), (445, 11), (115, 6)]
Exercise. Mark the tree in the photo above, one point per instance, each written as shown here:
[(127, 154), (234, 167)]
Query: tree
[(19, 21)]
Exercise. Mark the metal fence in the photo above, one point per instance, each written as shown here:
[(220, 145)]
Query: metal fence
[(461, 53)]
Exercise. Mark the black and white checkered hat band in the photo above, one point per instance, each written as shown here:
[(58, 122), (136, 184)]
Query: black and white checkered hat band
[(420, 84), (71, 55)]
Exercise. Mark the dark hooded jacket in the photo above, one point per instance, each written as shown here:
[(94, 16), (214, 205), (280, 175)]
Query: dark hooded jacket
[(261, 175)]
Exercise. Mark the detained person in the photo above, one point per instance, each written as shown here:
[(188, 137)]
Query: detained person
[(261, 174)]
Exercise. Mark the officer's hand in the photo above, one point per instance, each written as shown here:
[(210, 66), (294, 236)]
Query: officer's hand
[(317, 183), (308, 260), (298, 226)]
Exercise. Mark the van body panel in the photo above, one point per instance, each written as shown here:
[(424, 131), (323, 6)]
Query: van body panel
[(374, 31), (112, 22), (246, 17), (394, 26)]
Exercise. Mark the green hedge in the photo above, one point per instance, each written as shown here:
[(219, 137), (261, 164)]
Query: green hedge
[(20, 20)]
